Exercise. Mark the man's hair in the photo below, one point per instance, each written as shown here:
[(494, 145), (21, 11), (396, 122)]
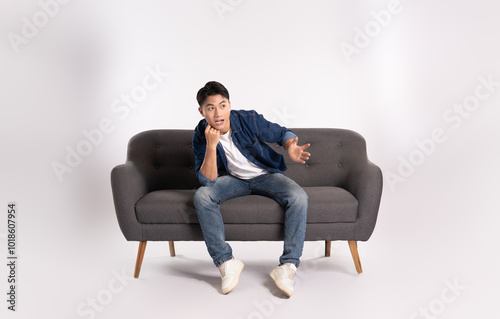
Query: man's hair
[(211, 88)]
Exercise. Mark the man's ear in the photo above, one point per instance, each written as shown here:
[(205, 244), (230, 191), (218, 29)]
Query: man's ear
[(201, 111)]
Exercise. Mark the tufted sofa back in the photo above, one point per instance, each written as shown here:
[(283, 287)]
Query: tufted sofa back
[(166, 159)]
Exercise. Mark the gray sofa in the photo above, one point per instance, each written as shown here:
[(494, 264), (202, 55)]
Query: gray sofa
[(153, 192)]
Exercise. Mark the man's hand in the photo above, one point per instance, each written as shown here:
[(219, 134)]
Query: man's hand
[(212, 135), (296, 152)]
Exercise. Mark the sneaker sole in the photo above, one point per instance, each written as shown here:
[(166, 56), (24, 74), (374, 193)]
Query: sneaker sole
[(278, 283), (236, 280)]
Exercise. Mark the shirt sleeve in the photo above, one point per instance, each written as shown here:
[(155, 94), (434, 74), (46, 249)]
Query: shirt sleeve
[(199, 149), (271, 132)]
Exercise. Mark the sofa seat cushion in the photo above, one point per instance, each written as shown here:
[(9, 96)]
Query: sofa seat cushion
[(326, 205)]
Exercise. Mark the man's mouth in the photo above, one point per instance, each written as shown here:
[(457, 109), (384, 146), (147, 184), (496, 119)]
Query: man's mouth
[(219, 122)]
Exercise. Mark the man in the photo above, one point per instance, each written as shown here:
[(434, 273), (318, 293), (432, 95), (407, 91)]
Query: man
[(225, 143)]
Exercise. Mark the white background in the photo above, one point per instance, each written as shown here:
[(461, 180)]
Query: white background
[(438, 223)]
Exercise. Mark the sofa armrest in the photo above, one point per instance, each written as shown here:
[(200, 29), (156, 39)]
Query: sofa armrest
[(128, 186), (365, 183)]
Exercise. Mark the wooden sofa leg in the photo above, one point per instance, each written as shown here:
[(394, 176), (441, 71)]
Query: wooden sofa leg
[(140, 256), (328, 247), (353, 245), (172, 248)]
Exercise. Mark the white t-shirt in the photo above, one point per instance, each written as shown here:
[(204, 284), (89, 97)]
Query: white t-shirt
[(237, 164)]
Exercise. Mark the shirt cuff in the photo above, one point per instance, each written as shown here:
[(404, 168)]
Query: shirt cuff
[(288, 135), (206, 181)]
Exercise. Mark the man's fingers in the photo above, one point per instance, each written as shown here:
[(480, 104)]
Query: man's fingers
[(211, 130), (305, 156)]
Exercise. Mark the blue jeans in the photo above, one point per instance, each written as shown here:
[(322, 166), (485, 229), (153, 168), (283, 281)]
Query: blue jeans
[(276, 186)]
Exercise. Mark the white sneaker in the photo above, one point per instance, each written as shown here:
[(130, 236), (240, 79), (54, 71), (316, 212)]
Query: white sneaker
[(230, 273), (283, 276)]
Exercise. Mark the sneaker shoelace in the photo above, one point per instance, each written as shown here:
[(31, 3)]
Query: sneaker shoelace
[(289, 273), (223, 269)]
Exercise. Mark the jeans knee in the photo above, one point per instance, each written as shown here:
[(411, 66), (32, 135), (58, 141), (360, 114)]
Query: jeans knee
[(301, 197), (202, 197)]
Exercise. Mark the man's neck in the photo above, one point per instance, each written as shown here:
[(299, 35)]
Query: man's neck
[(227, 130)]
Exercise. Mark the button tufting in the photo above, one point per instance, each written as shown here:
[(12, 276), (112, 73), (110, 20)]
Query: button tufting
[(157, 166), (339, 143), (157, 145), (307, 165), (339, 165)]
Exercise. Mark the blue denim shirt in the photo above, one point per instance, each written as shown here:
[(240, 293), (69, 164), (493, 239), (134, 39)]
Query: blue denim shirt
[(250, 132)]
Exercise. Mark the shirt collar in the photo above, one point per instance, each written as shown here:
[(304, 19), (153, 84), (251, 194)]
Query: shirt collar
[(235, 126)]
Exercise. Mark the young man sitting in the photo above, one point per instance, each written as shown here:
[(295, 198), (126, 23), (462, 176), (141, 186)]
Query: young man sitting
[(227, 168)]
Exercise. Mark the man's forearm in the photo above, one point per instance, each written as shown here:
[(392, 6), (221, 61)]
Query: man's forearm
[(209, 166)]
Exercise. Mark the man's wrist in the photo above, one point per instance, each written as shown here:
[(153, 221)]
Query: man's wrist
[(289, 135)]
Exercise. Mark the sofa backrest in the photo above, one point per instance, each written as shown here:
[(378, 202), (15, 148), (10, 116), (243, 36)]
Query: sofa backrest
[(166, 159)]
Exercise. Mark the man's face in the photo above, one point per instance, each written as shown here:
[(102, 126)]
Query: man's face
[(216, 110)]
